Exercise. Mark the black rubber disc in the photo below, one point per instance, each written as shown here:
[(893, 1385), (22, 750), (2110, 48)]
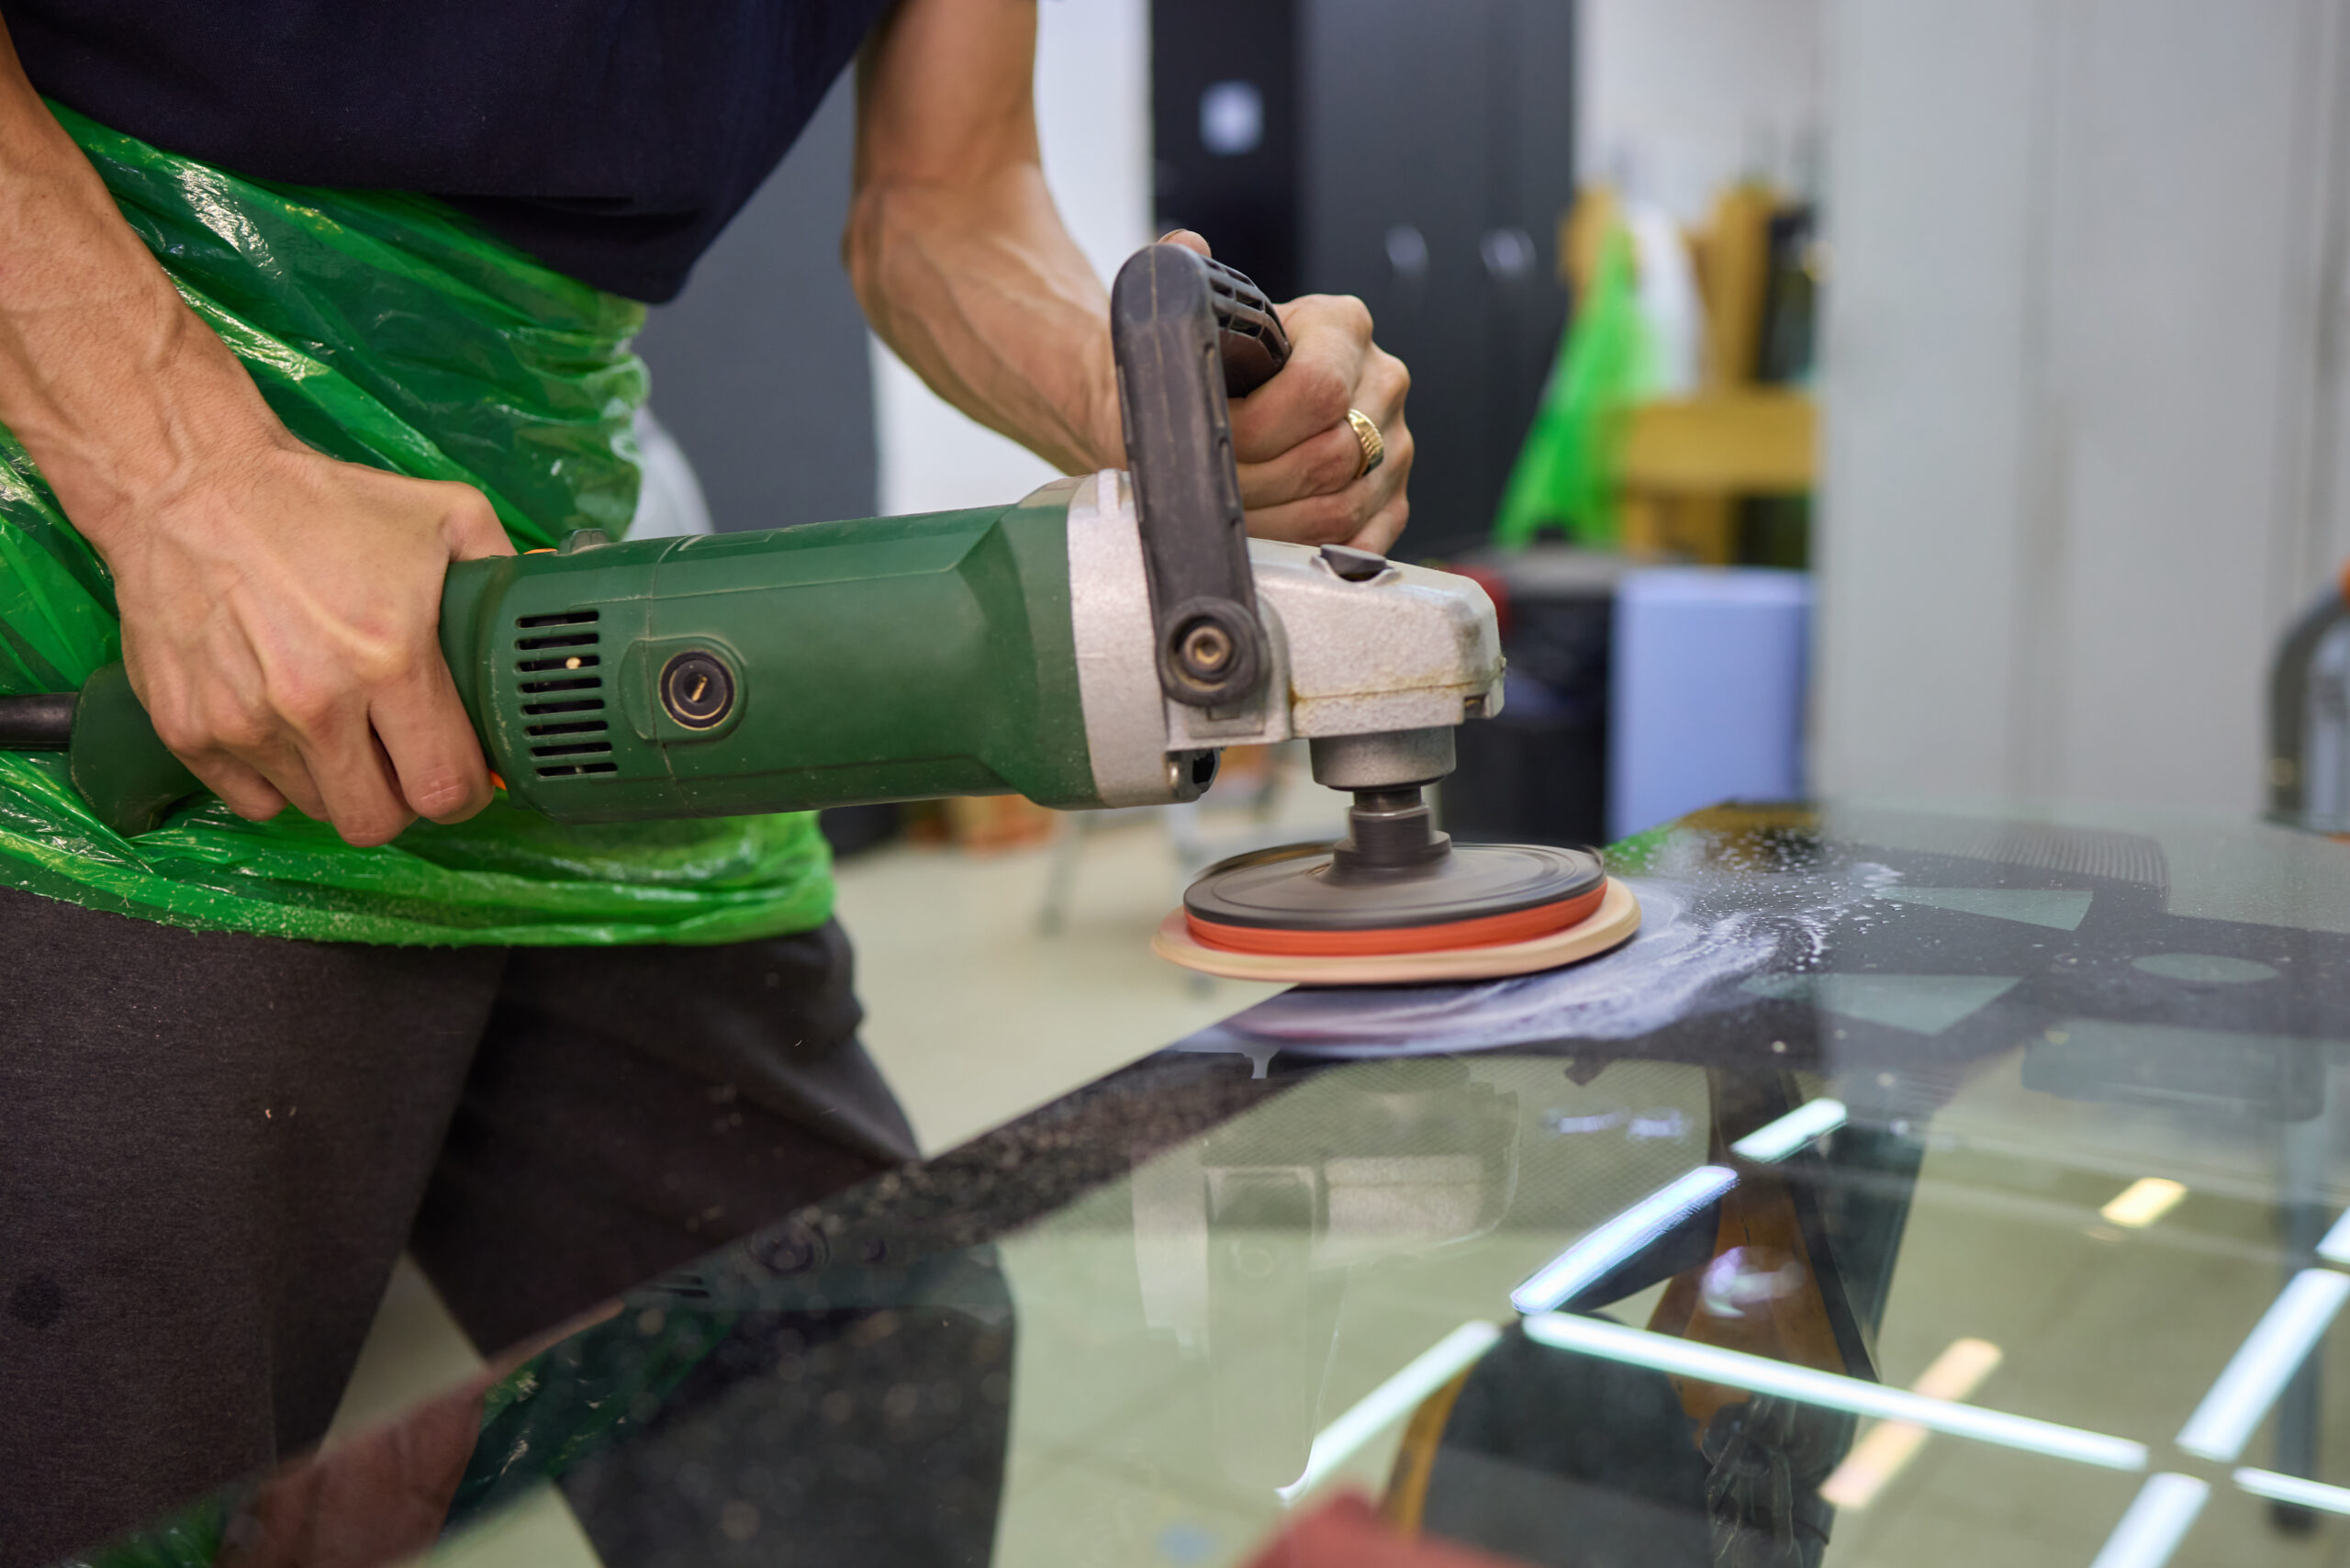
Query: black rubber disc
[(1291, 889)]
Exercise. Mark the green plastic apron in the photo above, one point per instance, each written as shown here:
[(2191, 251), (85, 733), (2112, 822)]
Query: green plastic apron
[(385, 330)]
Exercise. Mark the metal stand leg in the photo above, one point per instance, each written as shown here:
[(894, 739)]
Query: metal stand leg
[(1060, 877), (2304, 1216)]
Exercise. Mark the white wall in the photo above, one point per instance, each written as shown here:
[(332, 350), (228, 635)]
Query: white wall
[(1093, 115), (2083, 420), (1677, 98)]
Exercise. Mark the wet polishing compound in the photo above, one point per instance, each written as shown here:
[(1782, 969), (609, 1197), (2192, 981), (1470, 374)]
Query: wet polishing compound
[(1359, 912)]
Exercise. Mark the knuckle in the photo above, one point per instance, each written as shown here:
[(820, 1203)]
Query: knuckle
[(182, 733), (1355, 315), (381, 663), (444, 797), (240, 730), (1326, 396), (1328, 519), (1399, 377), (307, 705)]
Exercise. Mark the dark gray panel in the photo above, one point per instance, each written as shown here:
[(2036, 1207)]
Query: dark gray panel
[(1449, 121), (759, 368), (1534, 54), (1244, 200), (1394, 136)]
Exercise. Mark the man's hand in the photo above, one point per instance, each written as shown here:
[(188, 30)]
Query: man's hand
[(1301, 462), (280, 609), (963, 268), (280, 621)]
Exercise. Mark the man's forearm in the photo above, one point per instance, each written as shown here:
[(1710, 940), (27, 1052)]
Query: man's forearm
[(108, 377), (954, 246), (982, 293), (963, 268)]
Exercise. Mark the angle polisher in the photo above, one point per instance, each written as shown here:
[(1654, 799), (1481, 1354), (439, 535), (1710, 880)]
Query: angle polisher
[(1095, 643)]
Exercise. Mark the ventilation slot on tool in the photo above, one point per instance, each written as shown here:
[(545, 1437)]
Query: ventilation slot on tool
[(559, 675)]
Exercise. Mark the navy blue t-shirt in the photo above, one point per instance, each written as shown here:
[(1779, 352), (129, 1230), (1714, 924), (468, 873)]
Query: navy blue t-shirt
[(611, 139)]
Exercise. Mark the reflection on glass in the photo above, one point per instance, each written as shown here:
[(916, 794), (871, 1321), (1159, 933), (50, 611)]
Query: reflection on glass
[(1791, 1132), (1246, 1241), (1567, 1126), (2295, 1490), (2336, 1247), (1760, 1374), (2158, 1519), (1749, 1279), (2142, 1201), (1391, 1401), (1876, 1459), (1622, 1238), (2263, 1363), (1141, 1328)]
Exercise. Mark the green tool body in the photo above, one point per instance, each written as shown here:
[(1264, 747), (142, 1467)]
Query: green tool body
[(884, 659), (1092, 644), (881, 659)]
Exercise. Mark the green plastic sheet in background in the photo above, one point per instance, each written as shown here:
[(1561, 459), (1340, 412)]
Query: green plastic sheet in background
[(385, 330), (1567, 475)]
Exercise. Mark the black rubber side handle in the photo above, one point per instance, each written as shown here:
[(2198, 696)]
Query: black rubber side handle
[(1250, 339), (39, 722), (1187, 331)]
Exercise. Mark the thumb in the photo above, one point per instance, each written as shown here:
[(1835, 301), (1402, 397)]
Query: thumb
[(1189, 241)]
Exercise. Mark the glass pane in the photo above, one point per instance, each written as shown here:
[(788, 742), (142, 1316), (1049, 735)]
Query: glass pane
[(1915, 1189)]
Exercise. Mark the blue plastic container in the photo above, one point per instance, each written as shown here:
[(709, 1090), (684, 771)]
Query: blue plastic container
[(1707, 692)]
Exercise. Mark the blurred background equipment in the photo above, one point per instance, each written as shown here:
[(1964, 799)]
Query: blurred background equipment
[(1415, 155), (1671, 431), (2308, 718), (1677, 425), (1538, 769), (1708, 684), (1225, 144), (1673, 423)]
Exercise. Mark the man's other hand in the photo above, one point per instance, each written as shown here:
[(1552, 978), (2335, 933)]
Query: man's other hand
[(1300, 462), (280, 609), (280, 614)]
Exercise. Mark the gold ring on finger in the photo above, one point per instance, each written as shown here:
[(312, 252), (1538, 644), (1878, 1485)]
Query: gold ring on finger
[(1374, 451)]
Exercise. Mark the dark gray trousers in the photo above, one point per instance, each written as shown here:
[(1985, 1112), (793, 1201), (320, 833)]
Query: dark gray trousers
[(214, 1147)]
